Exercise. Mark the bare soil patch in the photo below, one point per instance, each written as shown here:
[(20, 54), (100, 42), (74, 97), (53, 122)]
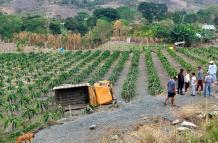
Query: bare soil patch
[(160, 70), (119, 84)]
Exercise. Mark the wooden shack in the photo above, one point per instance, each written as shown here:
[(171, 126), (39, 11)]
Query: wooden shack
[(72, 96)]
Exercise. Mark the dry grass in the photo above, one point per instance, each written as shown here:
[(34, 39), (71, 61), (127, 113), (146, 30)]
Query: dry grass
[(162, 131)]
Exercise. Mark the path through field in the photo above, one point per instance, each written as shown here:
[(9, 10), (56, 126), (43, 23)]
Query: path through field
[(121, 119)]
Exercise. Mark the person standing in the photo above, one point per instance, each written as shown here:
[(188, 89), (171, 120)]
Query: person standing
[(200, 78), (208, 84), (193, 84), (187, 80), (213, 70), (171, 86), (180, 82)]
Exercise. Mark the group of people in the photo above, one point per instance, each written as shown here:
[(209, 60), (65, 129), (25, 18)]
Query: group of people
[(193, 81)]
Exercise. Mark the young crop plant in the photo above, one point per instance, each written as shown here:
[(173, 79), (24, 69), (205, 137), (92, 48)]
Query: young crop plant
[(84, 73), (167, 66), (103, 69), (119, 67), (180, 60), (193, 56), (154, 85), (25, 80), (129, 86)]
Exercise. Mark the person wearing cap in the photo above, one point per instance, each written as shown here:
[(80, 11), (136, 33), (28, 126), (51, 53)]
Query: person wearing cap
[(208, 84), (171, 86), (181, 82), (200, 78), (213, 70)]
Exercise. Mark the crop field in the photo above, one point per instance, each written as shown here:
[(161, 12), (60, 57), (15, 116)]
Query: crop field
[(27, 79)]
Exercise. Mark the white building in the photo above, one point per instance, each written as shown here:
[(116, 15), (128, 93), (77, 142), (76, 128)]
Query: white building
[(209, 27)]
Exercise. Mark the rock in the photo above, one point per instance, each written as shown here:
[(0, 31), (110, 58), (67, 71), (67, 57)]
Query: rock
[(180, 129), (201, 116), (188, 124), (114, 137), (92, 127), (177, 121)]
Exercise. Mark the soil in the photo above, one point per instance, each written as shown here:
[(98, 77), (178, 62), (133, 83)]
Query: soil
[(11, 47), (187, 59), (172, 61), (142, 78), (107, 75), (119, 120), (160, 70), (118, 85)]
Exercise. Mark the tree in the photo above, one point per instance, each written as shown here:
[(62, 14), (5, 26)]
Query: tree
[(152, 11), (207, 35), (178, 16), (9, 25), (101, 31), (34, 24), (55, 27), (108, 14), (190, 18), (126, 13), (216, 20), (82, 16), (185, 32), (91, 22), (204, 16), (117, 27), (75, 26)]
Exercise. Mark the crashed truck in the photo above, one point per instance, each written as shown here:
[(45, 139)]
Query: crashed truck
[(78, 96)]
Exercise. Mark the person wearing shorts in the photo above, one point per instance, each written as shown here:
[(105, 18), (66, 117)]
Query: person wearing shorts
[(171, 86)]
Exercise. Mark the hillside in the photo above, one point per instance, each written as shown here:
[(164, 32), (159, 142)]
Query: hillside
[(68, 8)]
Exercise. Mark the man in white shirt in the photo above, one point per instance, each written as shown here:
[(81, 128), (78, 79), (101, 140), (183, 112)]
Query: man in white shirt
[(193, 85), (212, 70), (187, 80)]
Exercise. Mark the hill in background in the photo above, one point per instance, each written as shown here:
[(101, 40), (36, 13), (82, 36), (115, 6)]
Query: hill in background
[(69, 8)]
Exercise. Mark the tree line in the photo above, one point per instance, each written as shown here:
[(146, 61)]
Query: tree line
[(153, 20)]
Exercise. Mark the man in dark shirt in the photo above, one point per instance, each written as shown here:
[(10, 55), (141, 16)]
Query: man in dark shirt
[(171, 86), (180, 82), (200, 78)]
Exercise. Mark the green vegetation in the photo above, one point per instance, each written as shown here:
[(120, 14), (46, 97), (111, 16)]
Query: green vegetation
[(119, 67), (153, 11), (180, 60), (129, 86), (104, 68), (154, 85), (169, 69)]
